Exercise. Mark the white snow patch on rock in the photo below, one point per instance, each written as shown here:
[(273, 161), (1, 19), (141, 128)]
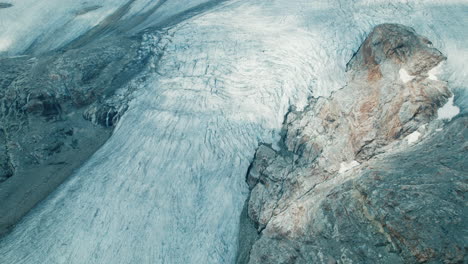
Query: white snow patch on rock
[(448, 111), (413, 137), (434, 72), (404, 76), (5, 43), (346, 166)]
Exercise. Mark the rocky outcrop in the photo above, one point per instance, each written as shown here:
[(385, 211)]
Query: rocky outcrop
[(5, 5), (56, 110), (349, 184)]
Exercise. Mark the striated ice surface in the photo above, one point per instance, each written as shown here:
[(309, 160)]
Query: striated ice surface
[(169, 185), (50, 24), (29, 21)]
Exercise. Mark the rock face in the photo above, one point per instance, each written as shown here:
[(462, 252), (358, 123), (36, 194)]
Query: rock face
[(5, 5), (56, 110), (349, 183)]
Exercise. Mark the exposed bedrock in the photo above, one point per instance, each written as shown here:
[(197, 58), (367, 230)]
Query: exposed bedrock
[(56, 110), (366, 175), (5, 5)]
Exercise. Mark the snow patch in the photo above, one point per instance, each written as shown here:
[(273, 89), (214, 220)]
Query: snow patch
[(448, 111), (405, 76), (434, 72), (346, 166), (413, 137), (5, 43)]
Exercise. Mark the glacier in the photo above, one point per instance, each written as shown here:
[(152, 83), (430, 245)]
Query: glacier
[(169, 185)]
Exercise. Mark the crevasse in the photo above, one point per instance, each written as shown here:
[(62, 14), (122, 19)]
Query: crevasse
[(169, 185)]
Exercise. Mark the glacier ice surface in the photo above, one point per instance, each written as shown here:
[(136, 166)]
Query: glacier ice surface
[(346, 166), (169, 185)]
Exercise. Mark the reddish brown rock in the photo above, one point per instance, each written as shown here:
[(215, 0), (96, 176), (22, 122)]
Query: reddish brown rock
[(313, 201)]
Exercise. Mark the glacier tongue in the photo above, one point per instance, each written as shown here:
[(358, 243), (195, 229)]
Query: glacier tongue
[(169, 185)]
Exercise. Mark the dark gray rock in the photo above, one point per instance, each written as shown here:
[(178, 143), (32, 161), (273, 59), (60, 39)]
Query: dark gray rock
[(56, 110), (407, 207), (366, 175), (5, 5)]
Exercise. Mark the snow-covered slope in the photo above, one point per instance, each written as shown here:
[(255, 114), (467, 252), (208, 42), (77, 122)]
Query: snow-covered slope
[(169, 185), (39, 26)]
